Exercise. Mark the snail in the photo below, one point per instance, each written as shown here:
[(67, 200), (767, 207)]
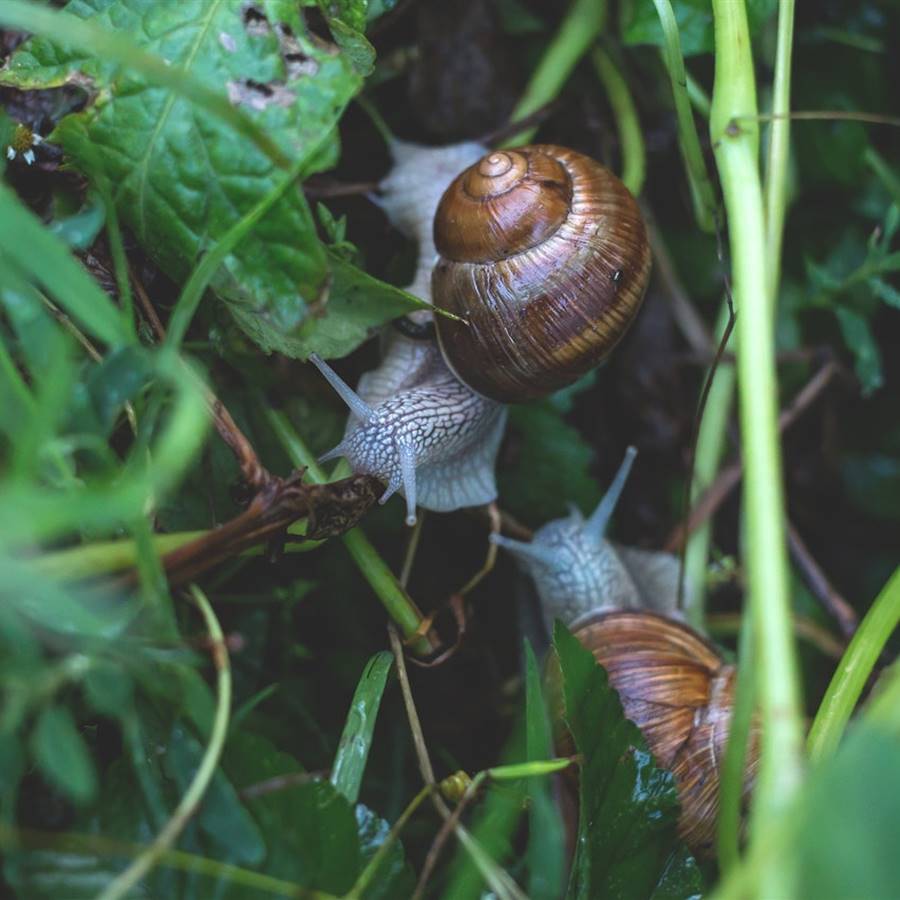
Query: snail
[(542, 252), (673, 684)]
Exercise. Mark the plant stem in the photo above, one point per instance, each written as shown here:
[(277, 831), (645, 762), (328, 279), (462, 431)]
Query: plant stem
[(736, 150), (577, 31), (396, 601), (779, 146), (103, 557), (368, 873), (631, 138), (735, 760), (854, 670), (707, 456), (702, 194), (122, 884)]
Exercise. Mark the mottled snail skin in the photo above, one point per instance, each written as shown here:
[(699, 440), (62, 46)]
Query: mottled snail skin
[(621, 604), (420, 430), (543, 251), (413, 424)]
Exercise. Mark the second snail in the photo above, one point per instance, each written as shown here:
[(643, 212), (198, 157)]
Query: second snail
[(541, 255)]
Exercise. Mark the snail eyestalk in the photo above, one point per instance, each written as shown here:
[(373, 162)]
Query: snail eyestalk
[(597, 523)]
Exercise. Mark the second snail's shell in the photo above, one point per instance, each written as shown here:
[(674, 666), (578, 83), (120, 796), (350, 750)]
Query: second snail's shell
[(675, 687), (544, 253)]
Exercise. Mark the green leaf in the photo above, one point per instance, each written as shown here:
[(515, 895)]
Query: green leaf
[(640, 23), (394, 877), (862, 344), (546, 854), (873, 480), (547, 464), (222, 816), (862, 781), (309, 829), (628, 807), (359, 727), (182, 176), (62, 756)]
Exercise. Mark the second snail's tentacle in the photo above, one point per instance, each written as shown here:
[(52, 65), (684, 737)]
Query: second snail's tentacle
[(533, 551), (408, 475), (357, 405), (596, 524)]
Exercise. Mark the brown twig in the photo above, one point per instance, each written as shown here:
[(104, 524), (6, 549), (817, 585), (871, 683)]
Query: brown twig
[(820, 586), (730, 623), (728, 478), (331, 509), (280, 783)]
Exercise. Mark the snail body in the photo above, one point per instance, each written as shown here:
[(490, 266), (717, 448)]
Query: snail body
[(551, 246), (420, 430), (672, 682)]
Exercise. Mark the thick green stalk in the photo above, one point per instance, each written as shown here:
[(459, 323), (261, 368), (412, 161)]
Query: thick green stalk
[(854, 670), (374, 569), (577, 31), (631, 139), (737, 156), (779, 145), (702, 194)]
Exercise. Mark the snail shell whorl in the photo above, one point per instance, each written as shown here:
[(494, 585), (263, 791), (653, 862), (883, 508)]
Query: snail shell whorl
[(544, 252), (675, 687)]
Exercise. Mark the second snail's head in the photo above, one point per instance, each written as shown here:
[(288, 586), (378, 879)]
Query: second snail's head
[(544, 254), (575, 569)]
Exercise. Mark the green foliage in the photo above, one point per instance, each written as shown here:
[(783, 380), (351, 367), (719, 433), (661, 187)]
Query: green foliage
[(184, 178), (627, 844)]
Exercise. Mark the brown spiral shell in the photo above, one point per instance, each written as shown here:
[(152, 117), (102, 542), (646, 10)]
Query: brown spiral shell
[(675, 687), (544, 253)]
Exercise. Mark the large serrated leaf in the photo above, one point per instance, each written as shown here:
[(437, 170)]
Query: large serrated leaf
[(183, 177), (627, 843)]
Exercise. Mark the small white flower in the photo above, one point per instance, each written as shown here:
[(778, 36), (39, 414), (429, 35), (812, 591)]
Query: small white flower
[(22, 142)]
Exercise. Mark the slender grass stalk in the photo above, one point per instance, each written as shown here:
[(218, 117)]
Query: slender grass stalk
[(698, 97), (731, 775), (92, 845), (707, 455), (631, 139), (369, 872), (374, 569), (854, 670), (779, 146), (737, 156), (702, 194), (122, 884), (577, 31)]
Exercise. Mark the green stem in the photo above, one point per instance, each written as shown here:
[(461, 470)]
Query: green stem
[(631, 138), (853, 671), (396, 601), (368, 873), (92, 845), (698, 97), (577, 31), (702, 194), (737, 150), (779, 146), (734, 762), (707, 456), (103, 557), (122, 884)]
